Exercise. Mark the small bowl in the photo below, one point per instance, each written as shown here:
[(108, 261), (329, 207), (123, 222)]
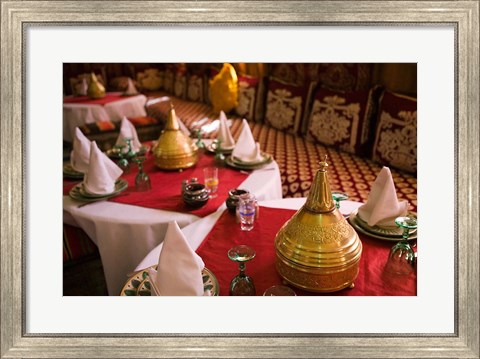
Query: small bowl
[(195, 195), (233, 196)]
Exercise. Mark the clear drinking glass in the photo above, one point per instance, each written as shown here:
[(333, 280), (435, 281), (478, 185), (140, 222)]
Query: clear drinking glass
[(241, 284), (247, 208), (338, 197), (211, 180), (402, 257)]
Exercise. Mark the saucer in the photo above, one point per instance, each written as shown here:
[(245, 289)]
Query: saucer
[(236, 163), (225, 151), (78, 192), (69, 172), (113, 153)]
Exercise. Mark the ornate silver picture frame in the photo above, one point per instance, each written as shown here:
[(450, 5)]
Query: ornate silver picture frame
[(462, 15)]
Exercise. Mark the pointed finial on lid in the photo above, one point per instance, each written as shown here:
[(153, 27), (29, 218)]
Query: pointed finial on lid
[(323, 164)]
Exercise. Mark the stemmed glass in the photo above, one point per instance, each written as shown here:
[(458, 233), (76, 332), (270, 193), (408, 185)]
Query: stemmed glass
[(402, 257), (241, 284), (123, 161), (200, 144), (338, 197), (142, 180), (219, 156)]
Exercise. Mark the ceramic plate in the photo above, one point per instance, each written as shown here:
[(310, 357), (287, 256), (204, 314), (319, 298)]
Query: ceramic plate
[(79, 194), (266, 159), (113, 153), (69, 172), (387, 231), (139, 284), (353, 219)]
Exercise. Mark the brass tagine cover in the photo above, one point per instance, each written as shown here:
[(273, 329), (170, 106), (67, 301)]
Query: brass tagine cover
[(317, 249), (174, 149), (95, 88)]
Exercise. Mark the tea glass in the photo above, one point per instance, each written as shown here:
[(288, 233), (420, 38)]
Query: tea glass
[(142, 180), (211, 180), (241, 284), (401, 260), (247, 208)]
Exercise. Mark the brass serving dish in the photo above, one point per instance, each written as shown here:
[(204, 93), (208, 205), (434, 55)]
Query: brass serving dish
[(174, 150), (95, 88), (317, 249)]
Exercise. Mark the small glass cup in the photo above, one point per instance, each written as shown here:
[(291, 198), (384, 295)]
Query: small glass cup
[(338, 197), (247, 209), (279, 290), (211, 180)]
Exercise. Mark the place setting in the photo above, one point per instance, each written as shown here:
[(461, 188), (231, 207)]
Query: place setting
[(224, 142), (246, 154), (101, 180), (377, 217), (180, 271)]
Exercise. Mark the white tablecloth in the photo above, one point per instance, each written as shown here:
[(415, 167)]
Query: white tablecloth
[(196, 232), (76, 114), (125, 234)]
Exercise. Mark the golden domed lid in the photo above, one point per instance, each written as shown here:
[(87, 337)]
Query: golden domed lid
[(318, 235), (174, 149), (95, 88)]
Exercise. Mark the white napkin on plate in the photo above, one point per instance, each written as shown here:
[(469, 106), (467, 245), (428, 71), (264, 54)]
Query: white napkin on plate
[(179, 270), (127, 130), (102, 172), (246, 149), (382, 205), (183, 128), (224, 134), (131, 89), (80, 155)]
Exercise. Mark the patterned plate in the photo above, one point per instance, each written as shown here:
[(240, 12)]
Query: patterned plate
[(353, 219), (139, 284), (69, 172), (387, 231), (79, 194), (266, 159)]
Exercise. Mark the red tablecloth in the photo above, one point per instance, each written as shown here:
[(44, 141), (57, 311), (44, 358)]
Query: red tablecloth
[(166, 187), (371, 281), (85, 100)]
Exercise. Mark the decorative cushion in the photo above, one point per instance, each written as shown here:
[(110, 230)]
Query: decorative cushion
[(345, 77), (285, 106), (104, 126), (119, 83), (195, 88), (169, 79), (180, 82), (248, 97), (150, 79), (396, 136), (343, 119)]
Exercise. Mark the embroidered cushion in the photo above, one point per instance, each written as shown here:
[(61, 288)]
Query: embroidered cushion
[(180, 82), (150, 79), (250, 94), (343, 119), (345, 77), (285, 105), (396, 135), (195, 88), (169, 79)]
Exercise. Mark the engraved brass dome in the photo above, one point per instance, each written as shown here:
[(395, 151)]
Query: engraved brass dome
[(95, 88), (174, 149), (317, 249)]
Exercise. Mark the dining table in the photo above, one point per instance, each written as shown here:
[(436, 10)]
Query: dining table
[(128, 227), (82, 110), (213, 236)]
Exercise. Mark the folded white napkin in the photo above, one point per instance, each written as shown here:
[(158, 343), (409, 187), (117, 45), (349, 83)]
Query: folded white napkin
[(131, 89), (127, 130), (224, 134), (179, 270), (80, 155), (183, 128), (246, 149), (382, 205), (102, 172)]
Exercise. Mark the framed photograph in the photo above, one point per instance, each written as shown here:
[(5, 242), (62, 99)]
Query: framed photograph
[(441, 37)]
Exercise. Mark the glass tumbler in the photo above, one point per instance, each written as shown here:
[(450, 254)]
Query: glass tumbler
[(247, 208)]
